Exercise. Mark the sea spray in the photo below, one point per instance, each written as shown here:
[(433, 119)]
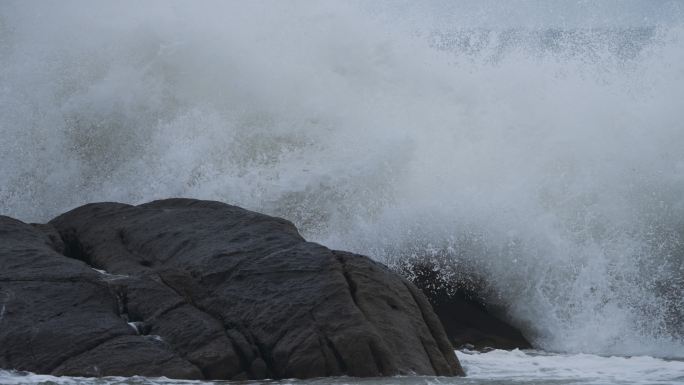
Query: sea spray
[(547, 159)]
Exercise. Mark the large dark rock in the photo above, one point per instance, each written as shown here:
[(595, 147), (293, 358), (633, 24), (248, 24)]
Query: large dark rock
[(56, 312), (198, 289), (468, 320)]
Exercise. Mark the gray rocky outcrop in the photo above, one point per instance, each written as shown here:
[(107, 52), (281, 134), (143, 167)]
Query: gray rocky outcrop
[(203, 290)]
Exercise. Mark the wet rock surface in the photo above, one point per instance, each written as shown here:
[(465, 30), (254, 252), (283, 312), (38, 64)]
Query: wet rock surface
[(203, 290), (468, 321)]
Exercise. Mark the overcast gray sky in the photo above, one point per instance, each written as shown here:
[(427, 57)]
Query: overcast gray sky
[(540, 13)]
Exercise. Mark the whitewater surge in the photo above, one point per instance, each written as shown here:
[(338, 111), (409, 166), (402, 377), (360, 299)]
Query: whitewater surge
[(547, 160), (497, 367)]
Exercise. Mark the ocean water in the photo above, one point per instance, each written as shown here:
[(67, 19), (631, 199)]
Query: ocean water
[(531, 147), (497, 367)]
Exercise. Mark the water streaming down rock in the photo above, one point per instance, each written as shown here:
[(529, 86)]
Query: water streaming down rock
[(546, 159)]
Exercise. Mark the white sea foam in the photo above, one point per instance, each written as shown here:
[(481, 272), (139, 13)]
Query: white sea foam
[(522, 367), (548, 160), (493, 368)]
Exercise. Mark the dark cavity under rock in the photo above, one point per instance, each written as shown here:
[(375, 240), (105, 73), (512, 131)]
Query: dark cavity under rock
[(203, 290), (467, 319)]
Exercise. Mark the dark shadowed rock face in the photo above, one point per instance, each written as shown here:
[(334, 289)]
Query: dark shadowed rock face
[(198, 289), (467, 320), (57, 314)]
